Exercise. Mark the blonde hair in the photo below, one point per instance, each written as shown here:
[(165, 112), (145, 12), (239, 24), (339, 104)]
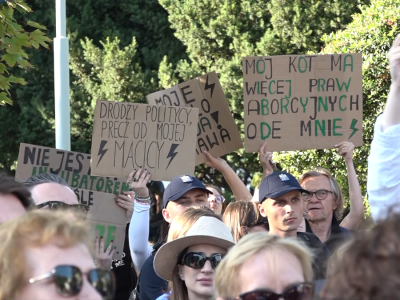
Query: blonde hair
[(336, 191), (241, 213), (33, 229), (179, 227), (226, 278)]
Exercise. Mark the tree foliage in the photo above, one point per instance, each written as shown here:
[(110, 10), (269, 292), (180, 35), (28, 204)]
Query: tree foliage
[(17, 33), (32, 114), (109, 73), (218, 34), (371, 33)]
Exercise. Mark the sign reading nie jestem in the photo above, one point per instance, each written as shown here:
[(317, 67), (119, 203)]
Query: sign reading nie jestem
[(299, 102), (216, 129), (158, 138), (73, 167)]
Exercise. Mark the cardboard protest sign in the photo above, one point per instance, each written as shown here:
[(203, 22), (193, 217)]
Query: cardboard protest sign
[(130, 135), (106, 218), (299, 102), (73, 167), (216, 130)]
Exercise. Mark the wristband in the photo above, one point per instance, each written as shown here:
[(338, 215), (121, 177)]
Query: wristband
[(143, 200)]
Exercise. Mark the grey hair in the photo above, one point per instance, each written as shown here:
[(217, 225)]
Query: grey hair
[(37, 179)]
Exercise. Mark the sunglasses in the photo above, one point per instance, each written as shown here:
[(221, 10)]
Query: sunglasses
[(69, 281), (300, 291), (218, 198), (197, 260), (56, 205)]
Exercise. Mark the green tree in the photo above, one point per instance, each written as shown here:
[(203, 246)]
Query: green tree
[(31, 117), (218, 34), (16, 37), (108, 73), (371, 33)]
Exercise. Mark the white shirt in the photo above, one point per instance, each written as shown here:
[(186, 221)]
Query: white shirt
[(383, 180), (139, 235)]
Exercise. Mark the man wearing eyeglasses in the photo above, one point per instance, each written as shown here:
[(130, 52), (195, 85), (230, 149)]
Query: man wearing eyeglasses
[(323, 204)]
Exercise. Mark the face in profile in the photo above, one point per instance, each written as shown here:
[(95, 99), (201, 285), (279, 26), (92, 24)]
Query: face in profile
[(198, 278), (42, 260), (284, 213), (273, 270)]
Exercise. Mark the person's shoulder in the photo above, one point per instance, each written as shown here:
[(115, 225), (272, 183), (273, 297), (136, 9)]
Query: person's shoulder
[(346, 231), (310, 239)]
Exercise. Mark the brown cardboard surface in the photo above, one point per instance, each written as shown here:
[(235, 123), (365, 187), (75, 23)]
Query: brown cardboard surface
[(73, 167), (106, 218), (130, 135), (299, 102), (216, 130)]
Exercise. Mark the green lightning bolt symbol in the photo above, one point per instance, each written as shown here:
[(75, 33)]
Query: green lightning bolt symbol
[(353, 124)]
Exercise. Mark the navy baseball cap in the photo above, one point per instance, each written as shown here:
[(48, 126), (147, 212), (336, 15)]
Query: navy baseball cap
[(278, 184), (181, 185)]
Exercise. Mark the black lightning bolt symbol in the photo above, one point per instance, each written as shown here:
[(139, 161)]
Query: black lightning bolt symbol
[(210, 86), (172, 153), (102, 151)]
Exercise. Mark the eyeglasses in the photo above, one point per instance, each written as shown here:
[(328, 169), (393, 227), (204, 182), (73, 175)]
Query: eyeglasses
[(55, 205), (300, 291), (197, 260), (320, 194), (219, 198), (69, 280)]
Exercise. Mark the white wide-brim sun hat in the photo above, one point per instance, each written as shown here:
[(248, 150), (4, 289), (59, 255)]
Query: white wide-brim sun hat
[(206, 230)]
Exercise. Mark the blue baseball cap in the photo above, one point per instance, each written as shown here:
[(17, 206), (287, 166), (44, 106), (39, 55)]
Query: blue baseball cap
[(181, 185), (278, 184)]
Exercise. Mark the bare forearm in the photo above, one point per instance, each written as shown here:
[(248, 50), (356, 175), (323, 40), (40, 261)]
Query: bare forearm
[(356, 213), (237, 186), (391, 115)]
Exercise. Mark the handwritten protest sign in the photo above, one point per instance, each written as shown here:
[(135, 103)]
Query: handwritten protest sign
[(73, 167), (158, 138), (106, 218), (299, 102), (216, 130)]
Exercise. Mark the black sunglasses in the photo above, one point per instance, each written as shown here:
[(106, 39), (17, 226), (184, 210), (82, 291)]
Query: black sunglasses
[(300, 291), (69, 280), (197, 260), (55, 205)]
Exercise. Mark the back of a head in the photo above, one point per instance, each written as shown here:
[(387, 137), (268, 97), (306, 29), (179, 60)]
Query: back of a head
[(227, 281), (369, 268), (8, 185), (34, 229), (185, 220), (37, 179), (240, 213)]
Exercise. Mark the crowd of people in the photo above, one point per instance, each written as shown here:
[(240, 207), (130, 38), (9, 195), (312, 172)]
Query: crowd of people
[(184, 242)]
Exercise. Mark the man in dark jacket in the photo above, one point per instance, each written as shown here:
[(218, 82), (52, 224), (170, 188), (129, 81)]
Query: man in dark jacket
[(281, 202), (183, 192)]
